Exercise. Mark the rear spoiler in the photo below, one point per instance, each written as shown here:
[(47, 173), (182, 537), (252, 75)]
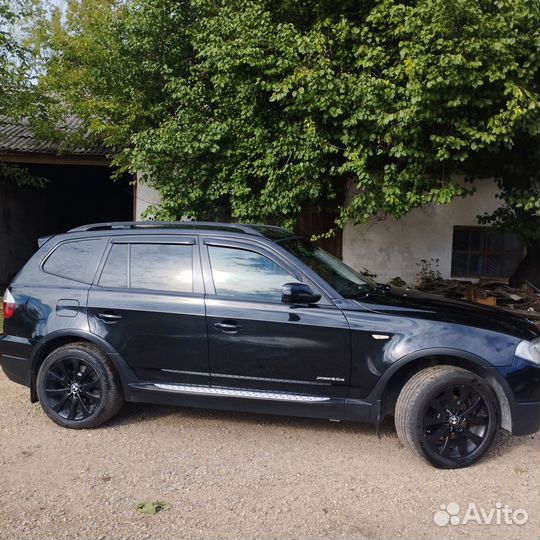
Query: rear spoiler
[(44, 240)]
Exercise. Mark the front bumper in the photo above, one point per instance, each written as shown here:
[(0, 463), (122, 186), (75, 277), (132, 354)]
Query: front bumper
[(523, 379), (15, 353)]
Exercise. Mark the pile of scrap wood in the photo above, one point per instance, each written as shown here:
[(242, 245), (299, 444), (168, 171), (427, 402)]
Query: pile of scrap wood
[(525, 300)]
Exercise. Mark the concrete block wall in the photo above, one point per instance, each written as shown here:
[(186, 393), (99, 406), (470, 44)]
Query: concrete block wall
[(390, 247)]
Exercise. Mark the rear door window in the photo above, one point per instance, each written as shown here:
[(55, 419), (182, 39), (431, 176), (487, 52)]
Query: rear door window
[(167, 267), (163, 267), (76, 260), (115, 271)]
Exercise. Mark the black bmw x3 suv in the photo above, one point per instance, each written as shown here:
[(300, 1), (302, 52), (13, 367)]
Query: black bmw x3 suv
[(254, 318)]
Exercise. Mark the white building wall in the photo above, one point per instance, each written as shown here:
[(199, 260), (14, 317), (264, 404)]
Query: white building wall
[(145, 196), (390, 247)]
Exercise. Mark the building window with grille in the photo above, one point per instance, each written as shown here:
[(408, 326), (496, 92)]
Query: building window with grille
[(485, 252)]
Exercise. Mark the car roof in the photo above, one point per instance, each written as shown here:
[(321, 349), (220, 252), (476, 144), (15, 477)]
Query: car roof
[(270, 232)]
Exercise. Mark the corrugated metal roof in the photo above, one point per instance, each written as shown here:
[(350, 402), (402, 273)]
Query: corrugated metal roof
[(17, 136)]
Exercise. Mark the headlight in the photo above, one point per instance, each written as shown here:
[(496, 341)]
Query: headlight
[(529, 350)]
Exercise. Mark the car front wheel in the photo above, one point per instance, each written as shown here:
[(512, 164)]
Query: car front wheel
[(78, 387), (448, 415)]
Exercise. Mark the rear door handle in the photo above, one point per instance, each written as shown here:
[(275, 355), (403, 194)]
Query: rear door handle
[(109, 317), (228, 328)]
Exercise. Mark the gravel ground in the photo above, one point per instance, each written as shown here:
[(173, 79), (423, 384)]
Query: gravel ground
[(230, 475)]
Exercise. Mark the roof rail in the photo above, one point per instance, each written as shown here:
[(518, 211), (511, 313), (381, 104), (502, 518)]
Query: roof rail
[(114, 225)]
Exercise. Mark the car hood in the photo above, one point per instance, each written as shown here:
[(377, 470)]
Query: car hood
[(413, 303)]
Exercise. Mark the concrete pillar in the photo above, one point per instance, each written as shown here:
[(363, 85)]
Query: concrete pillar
[(145, 196)]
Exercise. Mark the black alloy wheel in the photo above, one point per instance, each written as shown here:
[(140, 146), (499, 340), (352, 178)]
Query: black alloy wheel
[(73, 388), (78, 386), (456, 422), (448, 415)]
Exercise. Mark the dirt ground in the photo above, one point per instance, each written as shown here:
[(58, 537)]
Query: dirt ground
[(230, 475)]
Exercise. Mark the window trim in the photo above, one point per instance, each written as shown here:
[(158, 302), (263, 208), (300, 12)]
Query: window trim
[(481, 253), (198, 286)]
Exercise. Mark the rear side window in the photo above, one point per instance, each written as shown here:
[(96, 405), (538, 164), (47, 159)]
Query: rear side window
[(163, 267), (74, 260)]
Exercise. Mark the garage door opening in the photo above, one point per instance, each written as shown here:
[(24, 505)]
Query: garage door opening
[(74, 195)]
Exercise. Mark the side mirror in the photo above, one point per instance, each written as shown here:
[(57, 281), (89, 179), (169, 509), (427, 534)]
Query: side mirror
[(298, 293)]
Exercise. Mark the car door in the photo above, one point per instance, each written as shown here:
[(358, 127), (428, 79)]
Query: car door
[(257, 342), (148, 303)]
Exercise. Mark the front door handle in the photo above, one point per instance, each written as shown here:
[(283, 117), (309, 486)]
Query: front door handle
[(228, 327), (109, 317)]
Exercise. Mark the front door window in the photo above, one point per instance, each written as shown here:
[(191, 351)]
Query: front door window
[(242, 273)]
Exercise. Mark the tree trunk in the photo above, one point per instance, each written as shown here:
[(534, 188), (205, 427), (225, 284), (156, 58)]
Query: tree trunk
[(529, 267)]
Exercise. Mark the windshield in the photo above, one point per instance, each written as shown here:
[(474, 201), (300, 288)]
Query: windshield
[(346, 281)]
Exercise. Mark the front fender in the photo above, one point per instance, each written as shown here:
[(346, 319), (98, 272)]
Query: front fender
[(496, 378), (452, 356), (381, 342)]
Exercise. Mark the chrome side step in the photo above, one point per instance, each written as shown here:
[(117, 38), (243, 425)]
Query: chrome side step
[(227, 392)]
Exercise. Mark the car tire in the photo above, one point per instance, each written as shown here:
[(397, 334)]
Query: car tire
[(78, 387), (448, 415)]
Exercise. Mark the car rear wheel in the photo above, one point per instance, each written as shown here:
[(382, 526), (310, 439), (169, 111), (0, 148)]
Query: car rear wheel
[(78, 387), (448, 415)]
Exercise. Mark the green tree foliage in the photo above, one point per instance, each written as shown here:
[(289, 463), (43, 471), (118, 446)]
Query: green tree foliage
[(19, 62), (12, 56), (17, 73), (257, 108)]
